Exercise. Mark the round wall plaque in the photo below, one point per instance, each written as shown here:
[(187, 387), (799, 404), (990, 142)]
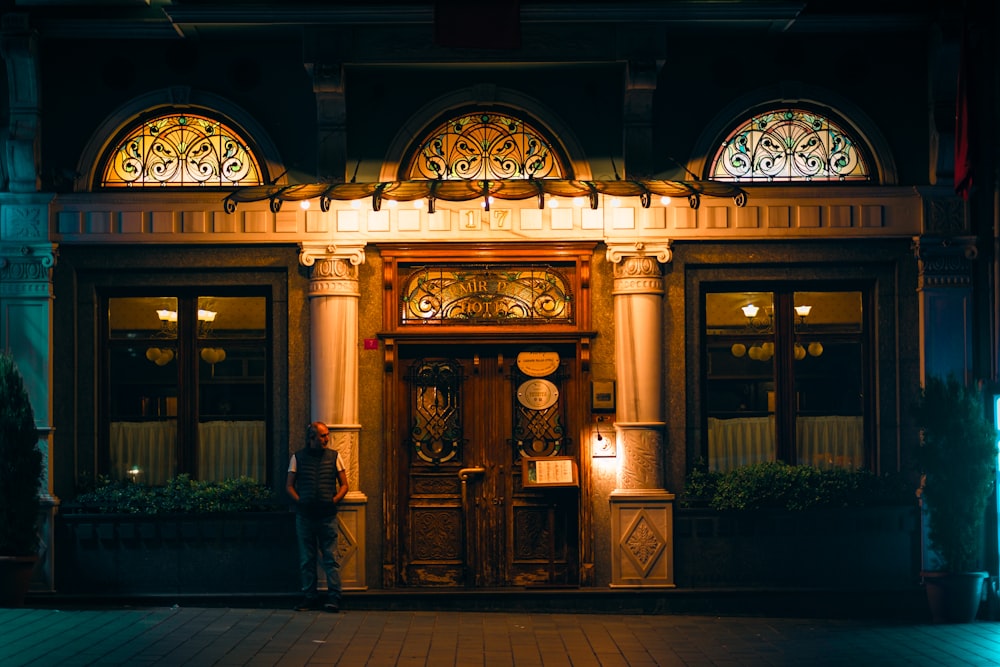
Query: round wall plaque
[(538, 363), (537, 394)]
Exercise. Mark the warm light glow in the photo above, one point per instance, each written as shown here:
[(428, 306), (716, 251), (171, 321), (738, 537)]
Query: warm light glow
[(802, 311), (750, 310), (305, 204), (167, 315), (206, 315)]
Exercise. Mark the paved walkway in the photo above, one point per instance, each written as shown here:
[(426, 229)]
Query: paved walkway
[(230, 636)]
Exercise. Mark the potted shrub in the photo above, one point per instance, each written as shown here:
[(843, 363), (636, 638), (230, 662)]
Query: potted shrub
[(958, 458), (20, 477)]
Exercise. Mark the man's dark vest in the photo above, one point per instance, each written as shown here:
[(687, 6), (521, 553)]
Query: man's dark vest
[(316, 481)]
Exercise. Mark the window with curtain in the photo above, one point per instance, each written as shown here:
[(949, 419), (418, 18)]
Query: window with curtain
[(186, 386), (786, 377)]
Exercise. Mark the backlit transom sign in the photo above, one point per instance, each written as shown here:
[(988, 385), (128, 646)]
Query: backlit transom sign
[(524, 295)]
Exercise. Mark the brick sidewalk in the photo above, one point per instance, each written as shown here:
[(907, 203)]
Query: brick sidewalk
[(232, 636)]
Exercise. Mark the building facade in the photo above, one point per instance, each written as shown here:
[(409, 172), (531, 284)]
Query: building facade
[(530, 265)]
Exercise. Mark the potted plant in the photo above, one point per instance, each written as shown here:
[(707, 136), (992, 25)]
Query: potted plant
[(958, 458), (20, 477)]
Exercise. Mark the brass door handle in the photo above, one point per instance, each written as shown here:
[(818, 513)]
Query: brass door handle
[(465, 473)]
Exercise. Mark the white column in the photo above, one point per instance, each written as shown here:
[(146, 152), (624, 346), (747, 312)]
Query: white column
[(333, 334), (641, 509)]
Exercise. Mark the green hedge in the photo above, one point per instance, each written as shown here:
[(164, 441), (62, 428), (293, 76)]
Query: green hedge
[(777, 485), (180, 495)]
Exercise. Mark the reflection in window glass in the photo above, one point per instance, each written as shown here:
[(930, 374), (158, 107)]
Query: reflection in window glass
[(784, 378), (740, 361), (232, 387), (187, 387), (143, 370), (829, 423)]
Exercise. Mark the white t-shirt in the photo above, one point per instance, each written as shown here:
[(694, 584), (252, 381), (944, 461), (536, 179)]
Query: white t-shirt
[(292, 466)]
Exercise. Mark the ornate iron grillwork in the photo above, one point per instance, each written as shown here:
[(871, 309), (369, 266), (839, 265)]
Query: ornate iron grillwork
[(471, 295), (487, 146), (538, 432), (789, 145), (181, 150), (436, 409)]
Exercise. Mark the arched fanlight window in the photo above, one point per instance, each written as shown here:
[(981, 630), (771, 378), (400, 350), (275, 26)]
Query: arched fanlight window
[(485, 146), (789, 144), (180, 149)]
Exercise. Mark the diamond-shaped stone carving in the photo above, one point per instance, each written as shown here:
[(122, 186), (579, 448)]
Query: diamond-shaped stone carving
[(643, 543)]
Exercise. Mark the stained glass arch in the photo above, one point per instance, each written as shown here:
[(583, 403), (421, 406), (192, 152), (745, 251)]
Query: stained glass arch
[(481, 145), (180, 149), (791, 144)]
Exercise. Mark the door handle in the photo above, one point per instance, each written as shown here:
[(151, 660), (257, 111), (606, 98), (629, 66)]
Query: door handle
[(466, 473)]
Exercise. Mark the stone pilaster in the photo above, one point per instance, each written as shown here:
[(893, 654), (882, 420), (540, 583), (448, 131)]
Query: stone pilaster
[(20, 156), (331, 114), (26, 261), (641, 509), (944, 282), (640, 88), (333, 306)]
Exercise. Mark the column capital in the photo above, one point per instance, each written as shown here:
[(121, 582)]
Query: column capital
[(310, 252), (620, 251), (26, 269), (945, 261)]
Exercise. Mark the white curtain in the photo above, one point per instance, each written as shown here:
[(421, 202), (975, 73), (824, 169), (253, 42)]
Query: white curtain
[(226, 449), (824, 442), (830, 441), (231, 449), (733, 443), (150, 447)]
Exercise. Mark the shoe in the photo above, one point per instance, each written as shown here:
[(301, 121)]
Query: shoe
[(307, 604), (332, 607)]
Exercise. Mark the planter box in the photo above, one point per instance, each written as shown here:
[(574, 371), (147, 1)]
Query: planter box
[(840, 548), (247, 553)]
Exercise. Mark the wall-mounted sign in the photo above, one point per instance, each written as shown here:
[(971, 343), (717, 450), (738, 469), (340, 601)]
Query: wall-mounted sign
[(538, 364), (602, 396), (537, 394), (549, 471)]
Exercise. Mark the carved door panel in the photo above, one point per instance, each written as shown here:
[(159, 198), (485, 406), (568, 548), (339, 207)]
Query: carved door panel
[(470, 415)]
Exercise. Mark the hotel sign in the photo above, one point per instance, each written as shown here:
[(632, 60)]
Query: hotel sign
[(525, 295)]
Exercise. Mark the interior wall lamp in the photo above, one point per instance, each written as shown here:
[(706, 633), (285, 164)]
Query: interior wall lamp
[(756, 320)]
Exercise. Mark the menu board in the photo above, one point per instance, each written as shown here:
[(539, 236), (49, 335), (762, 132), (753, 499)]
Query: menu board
[(549, 471)]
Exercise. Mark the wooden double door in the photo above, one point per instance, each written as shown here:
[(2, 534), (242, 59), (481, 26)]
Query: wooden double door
[(468, 416)]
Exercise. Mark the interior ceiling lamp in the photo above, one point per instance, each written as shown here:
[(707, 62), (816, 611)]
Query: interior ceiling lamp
[(764, 351), (168, 326), (466, 190)]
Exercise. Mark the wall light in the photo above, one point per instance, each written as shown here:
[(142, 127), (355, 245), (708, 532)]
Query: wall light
[(602, 445)]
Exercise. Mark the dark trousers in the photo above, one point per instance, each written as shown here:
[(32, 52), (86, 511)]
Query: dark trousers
[(318, 535)]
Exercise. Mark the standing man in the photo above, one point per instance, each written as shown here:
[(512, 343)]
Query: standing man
[(316, 483)]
